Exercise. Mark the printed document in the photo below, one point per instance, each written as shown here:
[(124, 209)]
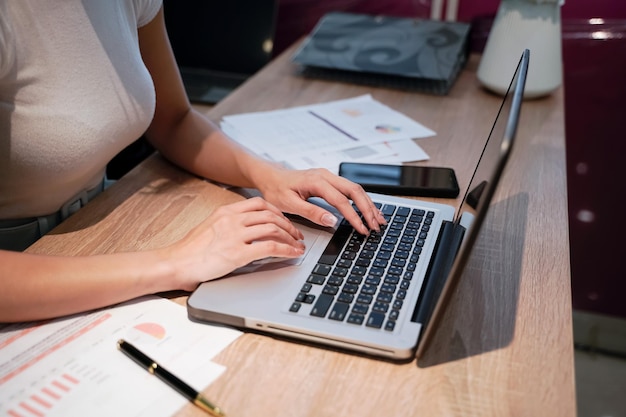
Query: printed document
[(72, 367), (358, 129)]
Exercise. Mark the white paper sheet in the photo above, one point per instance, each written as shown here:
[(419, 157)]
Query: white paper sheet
[(359, 129), (72, 367), (384, 152)]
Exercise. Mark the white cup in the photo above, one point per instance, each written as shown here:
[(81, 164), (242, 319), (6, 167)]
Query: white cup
[(519, 25)]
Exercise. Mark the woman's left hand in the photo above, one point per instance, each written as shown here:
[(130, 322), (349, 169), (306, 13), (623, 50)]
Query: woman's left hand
[(289, 190)]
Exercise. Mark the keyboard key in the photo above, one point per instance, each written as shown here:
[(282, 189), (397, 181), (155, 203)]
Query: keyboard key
[(360, 309), (344, 263), (375, 320), (384, 297), (340, 272), (354, 279), (335, 280), (345, 297), (350, 288), (392, 279), (322, 305), (321, 269), (316, 279), (295, 306), (330, 290), (388, 209), (390, 288), (339, 311), (380, 307), (358, 270), (364, 299), (369, 289), (355, 318), (372, 280), (380, 263)]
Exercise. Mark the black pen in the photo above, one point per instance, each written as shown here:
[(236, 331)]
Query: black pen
[(167, 377)]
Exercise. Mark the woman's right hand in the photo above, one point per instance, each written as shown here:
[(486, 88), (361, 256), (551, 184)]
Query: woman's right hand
[(232, 236)]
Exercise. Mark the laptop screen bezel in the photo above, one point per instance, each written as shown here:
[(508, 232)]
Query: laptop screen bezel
[(518, 83)]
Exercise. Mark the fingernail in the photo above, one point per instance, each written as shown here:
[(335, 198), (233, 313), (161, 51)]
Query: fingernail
[(329, 220)]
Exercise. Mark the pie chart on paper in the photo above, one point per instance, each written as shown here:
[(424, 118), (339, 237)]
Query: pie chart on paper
[(146, 332)]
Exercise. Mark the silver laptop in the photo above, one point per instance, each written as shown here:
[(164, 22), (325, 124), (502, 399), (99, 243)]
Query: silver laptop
[(381, 294)]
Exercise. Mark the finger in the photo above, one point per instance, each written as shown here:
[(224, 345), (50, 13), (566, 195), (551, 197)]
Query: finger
[(270, 213), (267, 217), (254, 204), (350, 190), (269, 248), (324, 217), (371, 214), (269, 232)]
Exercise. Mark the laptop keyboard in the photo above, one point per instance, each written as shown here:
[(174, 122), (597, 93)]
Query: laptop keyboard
[(363, 280)]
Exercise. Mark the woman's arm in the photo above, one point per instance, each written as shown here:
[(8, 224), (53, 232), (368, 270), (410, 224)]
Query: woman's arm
[(190, 140), (35, 287)]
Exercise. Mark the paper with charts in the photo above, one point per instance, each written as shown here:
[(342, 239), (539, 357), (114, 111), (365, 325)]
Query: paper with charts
[(72, 367), (358, 129)]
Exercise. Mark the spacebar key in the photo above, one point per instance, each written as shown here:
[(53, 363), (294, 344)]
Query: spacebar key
[(322, 305)]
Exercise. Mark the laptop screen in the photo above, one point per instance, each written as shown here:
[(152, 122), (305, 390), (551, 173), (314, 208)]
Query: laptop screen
[(496, 149), (233, 36), (483, 184)]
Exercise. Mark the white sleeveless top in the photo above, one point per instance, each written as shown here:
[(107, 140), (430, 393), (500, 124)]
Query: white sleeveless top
[(73, 92)]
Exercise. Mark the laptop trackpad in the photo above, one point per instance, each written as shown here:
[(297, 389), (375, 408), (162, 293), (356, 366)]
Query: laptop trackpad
[(311, 235)]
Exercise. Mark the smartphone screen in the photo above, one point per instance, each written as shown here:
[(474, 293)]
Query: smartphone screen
[(402, 179)]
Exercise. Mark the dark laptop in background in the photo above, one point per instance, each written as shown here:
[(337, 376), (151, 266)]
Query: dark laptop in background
[(219, 44)]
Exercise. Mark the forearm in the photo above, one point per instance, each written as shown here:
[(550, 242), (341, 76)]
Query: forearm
[(33, 287), (197, 145)]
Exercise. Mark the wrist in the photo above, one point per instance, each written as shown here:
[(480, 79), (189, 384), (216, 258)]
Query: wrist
[(262, 173), (162, 273)]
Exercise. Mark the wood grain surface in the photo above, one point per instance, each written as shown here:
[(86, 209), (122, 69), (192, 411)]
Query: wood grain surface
[(505, 346)]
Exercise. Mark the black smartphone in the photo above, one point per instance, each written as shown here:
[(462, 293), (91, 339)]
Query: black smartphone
[(410, 180)]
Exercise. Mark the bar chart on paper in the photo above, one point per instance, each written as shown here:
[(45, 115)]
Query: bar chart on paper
[(72, 367), (49, 396)]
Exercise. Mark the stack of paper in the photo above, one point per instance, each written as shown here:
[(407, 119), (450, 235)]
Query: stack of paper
[(359, 129)]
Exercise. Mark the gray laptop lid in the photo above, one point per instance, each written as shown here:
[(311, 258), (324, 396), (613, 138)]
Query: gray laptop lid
[(219, 44)]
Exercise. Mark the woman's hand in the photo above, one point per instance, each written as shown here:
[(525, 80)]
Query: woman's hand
[(233, 236), (288, 190)]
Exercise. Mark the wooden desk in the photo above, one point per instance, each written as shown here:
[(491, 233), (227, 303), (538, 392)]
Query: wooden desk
[(505, 346)]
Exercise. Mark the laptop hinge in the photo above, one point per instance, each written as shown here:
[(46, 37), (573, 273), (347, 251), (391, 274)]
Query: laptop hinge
[(447, 246)]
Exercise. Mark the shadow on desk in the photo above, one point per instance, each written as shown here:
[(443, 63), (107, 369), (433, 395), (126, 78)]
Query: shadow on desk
[(482, 312)]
